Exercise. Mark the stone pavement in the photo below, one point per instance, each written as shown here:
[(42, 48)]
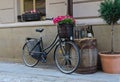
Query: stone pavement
[(14, 72)]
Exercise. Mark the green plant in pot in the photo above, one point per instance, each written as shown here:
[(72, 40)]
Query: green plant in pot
[(65, 26), (110, 12)]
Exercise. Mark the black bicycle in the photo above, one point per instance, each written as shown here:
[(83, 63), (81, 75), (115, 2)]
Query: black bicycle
[(66, 53)]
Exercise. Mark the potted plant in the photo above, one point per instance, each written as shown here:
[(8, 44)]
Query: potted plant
[(65, 26), (110, 12)]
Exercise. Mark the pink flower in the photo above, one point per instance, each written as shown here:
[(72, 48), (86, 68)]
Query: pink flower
[(62, 18)]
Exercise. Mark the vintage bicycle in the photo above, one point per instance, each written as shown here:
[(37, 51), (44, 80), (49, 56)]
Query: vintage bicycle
[(66, 53)]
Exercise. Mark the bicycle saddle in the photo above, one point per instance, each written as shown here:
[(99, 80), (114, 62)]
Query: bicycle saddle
[(39, 30)]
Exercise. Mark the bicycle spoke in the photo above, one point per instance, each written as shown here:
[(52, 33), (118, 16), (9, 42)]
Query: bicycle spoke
[(68, 60), (27, 57)]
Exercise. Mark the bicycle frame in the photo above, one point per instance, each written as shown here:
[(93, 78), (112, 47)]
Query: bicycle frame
[(52, 45), (49, 48), (66, 52)]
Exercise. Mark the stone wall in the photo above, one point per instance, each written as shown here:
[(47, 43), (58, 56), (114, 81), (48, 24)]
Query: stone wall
[(103, 36), (12, 40)]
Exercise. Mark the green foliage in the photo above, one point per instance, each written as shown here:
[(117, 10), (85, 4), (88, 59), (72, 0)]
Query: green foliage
[(66, 21), (110, 11)]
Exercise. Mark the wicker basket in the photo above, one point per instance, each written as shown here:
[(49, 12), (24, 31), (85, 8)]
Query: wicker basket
[(65, 30)]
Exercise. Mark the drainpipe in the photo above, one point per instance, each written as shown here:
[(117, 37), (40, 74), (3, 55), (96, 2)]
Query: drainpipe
[(70, 7)]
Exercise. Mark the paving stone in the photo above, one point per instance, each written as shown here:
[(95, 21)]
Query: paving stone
[(10, 72)]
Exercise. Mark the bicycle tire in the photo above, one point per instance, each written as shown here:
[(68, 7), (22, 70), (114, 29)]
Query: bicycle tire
[(27, 58), (69, 53)]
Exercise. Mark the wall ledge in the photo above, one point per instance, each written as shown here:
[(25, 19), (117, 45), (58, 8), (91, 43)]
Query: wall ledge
[(94, 21), (27, 24)]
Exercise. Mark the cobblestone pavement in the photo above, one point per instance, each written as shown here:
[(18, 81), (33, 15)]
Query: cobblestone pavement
[(10, 72)]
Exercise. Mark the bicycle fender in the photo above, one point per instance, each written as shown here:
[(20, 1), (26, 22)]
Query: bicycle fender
[(24, 45)]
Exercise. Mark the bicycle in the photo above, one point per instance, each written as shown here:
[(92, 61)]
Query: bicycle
[(66, 53)]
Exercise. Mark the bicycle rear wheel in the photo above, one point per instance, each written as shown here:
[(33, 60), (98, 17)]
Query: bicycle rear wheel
[(67, 57), (27, 58)]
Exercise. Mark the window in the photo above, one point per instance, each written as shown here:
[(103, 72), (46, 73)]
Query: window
[(34, 5), (28, 5)]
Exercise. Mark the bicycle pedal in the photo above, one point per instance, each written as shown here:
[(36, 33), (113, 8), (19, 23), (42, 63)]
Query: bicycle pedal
[(43, 61)]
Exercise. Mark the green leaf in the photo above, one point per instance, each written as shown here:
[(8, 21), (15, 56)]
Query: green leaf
[(110, 11)]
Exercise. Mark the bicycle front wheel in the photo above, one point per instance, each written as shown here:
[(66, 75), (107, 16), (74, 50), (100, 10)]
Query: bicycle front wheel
[(27, 58), (67, 57)]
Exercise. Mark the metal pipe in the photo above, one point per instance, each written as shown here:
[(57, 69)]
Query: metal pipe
[(70, 7)]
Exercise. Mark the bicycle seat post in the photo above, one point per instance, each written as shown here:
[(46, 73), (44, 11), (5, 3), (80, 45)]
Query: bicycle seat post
[(40, 31)]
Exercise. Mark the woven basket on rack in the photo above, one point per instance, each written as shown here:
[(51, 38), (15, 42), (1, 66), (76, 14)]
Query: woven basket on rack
[(65, 30)]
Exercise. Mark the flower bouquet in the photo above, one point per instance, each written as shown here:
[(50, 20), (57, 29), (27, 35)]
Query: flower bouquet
[(65, 26)]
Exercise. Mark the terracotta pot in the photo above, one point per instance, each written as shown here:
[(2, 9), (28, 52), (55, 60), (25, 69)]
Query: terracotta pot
[(110, 63)]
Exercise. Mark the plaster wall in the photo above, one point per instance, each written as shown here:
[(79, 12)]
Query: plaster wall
[(12, 40)]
